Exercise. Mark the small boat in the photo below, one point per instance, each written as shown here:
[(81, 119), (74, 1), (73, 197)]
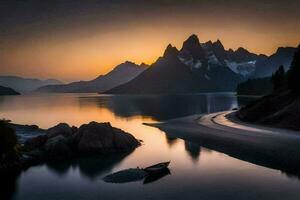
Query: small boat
[(152, 177), (157, 168)]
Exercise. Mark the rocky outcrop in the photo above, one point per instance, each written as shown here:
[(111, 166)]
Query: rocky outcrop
[(63, 141), (35, 143), (60, 129), (103, 138), (58, 148)]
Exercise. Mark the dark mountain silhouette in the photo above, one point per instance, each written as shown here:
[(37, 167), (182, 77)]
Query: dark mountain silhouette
[(281, 108), (25, 84), (203, 67), (7, 91), (119, 75), (196, 67), (266, 67), (190, 70)]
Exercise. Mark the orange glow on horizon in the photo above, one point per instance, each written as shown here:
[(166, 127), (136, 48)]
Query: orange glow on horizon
[(86, 55)]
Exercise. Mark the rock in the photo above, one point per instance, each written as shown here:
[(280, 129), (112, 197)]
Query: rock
[(58, 148), (103, 138), (37, 154), (35, 143), (60, 129)]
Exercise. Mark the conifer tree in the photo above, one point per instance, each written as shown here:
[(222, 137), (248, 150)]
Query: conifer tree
[(294, 73), (278, 79)]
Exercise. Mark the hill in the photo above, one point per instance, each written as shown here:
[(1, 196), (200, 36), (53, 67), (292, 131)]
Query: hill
[(282, 107), (21, 84), (119, 75)]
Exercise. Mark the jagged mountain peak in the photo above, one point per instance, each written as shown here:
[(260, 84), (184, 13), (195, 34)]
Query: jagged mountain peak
[(193, 47), (191, 43), (207, 45), (171, 51), (241, 50), (218, 44), (193, 39), (230, 50)]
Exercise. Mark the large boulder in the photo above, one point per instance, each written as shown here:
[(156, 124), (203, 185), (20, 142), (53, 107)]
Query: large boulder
[(60, 129), (103, 138), (35, 142), (58, 148)]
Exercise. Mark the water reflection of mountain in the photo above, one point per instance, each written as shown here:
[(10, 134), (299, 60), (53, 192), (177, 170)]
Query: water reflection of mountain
[(162, 107), (171, 140), (193, 150)]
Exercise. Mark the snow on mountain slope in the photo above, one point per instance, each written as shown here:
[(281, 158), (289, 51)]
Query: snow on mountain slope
[(243, 68)]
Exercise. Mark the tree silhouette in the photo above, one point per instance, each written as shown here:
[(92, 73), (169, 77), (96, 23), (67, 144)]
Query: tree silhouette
[(278, 78), (294, 73)]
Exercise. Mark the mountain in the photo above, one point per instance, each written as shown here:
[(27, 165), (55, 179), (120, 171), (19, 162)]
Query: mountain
[(7, 91), (194, 68), (266, 67), (119, 75), (204, 67), (25, 84), (281, 108)]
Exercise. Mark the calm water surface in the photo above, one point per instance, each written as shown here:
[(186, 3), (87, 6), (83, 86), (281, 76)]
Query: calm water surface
[(196, 172)]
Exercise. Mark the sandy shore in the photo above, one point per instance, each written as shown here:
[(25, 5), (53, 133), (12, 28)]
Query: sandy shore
[(223, 132)]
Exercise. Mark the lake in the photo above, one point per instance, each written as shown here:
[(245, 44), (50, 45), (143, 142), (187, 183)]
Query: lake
[(195, 171)]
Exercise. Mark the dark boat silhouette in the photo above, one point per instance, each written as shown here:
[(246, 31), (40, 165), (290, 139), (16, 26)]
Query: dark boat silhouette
[(152, 177), (149, 174), (157, 167)]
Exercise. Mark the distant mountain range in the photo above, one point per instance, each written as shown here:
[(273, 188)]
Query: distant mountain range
[(190, 70), (119, 75), (7, 91), (266, 67), (202, 67), (196, 67), (24, 85)]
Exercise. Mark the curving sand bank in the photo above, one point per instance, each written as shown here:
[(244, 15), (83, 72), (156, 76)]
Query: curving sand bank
[(223, 132)]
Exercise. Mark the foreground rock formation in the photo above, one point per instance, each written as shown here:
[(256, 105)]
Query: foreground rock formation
[(63, 142)]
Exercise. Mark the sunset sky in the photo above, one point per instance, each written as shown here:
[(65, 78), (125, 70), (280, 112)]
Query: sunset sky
[(72, 40)]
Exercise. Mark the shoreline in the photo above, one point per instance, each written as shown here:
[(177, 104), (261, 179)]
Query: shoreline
[(265, 146)]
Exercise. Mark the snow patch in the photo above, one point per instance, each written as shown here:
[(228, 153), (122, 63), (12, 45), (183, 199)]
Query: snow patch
[(243, 68), (207, 77), (212, 59), (193, 64)]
